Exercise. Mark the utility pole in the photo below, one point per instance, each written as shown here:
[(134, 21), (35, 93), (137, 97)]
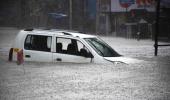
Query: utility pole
[(156, 45), (19, 14), (71, 13), (84, 14), (97, 15), (157, 27)]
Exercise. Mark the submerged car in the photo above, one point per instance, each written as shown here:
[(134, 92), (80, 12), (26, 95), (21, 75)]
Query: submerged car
[(54, 45)]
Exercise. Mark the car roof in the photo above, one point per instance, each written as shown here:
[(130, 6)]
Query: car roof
[(59, 32)]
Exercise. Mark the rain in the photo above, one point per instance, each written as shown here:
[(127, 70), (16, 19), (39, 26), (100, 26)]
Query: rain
[(128, 26)]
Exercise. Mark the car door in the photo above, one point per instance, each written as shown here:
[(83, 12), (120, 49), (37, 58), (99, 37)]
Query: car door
[(38, 48), (68, 50)]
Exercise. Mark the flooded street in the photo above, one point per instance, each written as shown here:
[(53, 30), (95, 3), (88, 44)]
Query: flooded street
[(147, 80)]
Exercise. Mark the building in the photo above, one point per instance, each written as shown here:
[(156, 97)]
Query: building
[(125, 18)]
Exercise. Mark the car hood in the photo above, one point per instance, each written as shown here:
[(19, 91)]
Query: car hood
[(122, 59)]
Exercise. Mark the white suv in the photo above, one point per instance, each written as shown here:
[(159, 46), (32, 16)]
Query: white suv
[(63, 46)]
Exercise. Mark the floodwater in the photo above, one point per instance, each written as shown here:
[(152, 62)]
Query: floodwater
[(147, 80)]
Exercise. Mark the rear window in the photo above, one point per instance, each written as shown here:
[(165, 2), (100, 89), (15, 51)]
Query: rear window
[(38, 43)]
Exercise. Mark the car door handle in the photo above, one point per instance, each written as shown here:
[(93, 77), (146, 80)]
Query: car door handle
[(27, 56), (59, 59)]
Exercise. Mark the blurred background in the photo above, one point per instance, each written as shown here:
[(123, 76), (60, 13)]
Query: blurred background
[(119, 18)]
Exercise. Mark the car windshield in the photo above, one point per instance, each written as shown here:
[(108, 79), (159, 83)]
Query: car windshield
[(102, 48)]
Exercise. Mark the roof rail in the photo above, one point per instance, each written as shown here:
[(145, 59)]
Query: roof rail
[(29, 29), (65, 33)]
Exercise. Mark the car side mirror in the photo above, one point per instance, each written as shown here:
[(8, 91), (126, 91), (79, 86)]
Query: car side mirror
[(84, 53), (89, 55)]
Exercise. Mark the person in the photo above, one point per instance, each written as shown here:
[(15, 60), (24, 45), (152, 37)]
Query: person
[(138, 36)]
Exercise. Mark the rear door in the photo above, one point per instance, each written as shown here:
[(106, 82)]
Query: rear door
[(38, 48), (68, 50)]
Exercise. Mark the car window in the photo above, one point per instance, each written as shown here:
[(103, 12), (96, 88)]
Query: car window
[(69, 46), (101, 47), (38, 43), (64, 42)]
